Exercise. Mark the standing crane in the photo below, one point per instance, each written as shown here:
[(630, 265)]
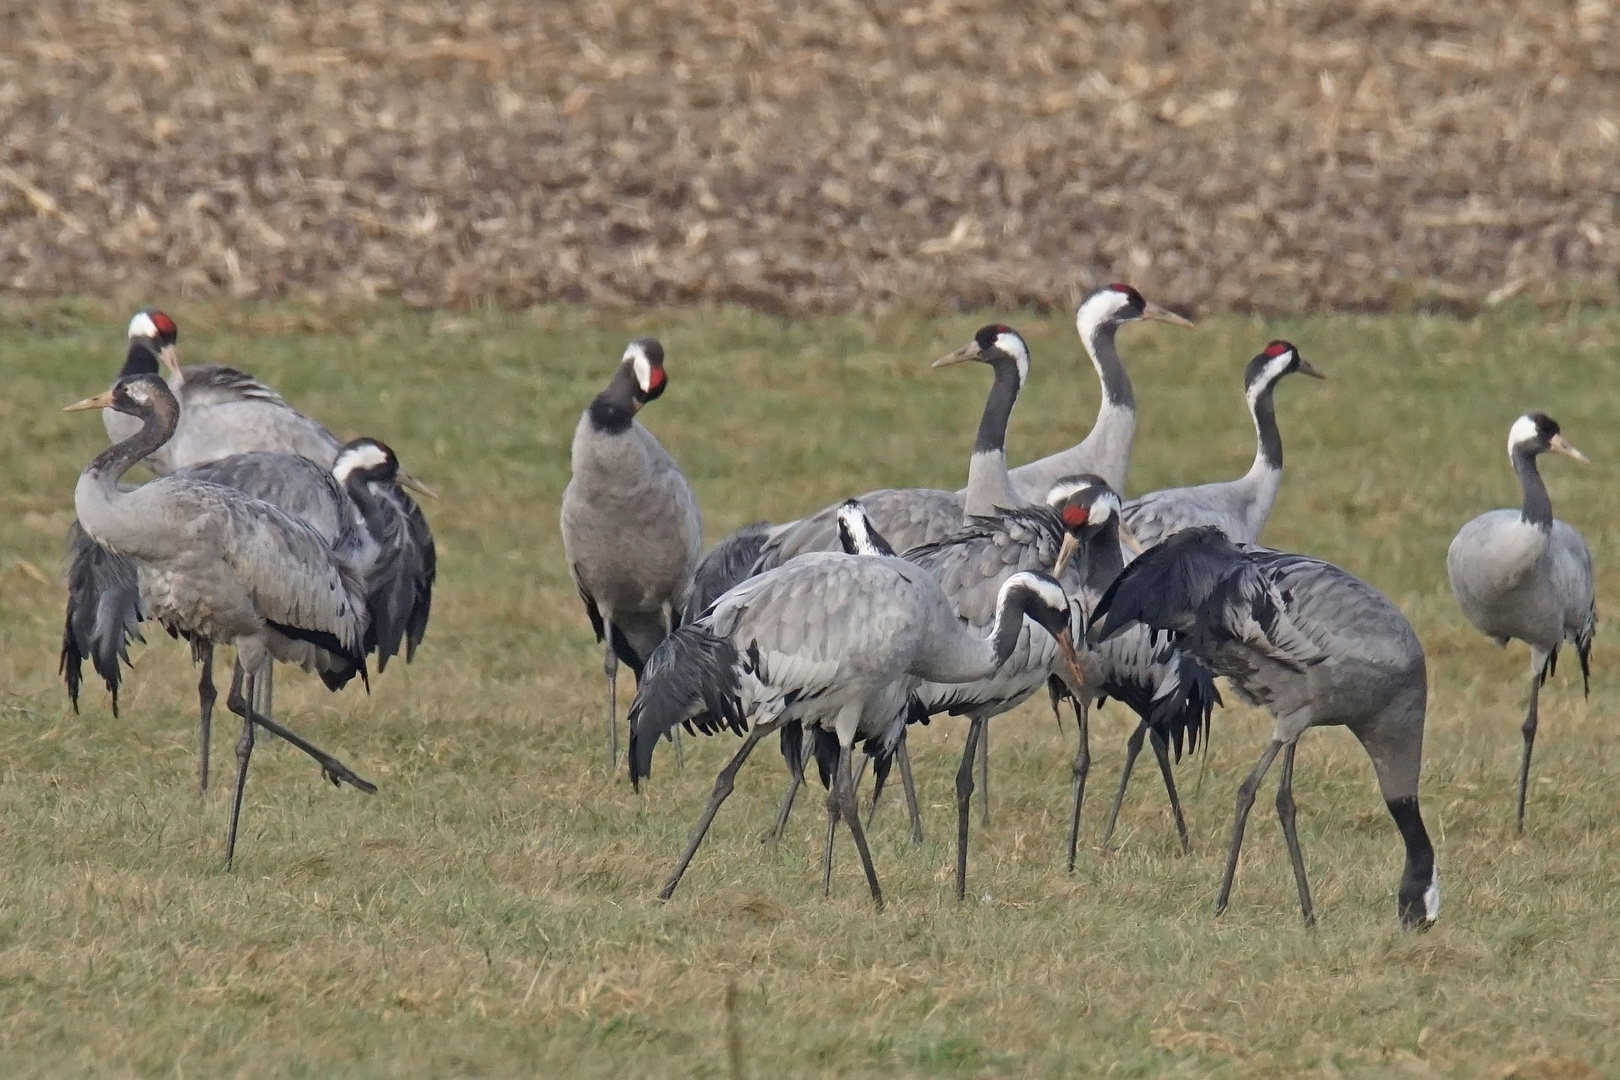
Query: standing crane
[(1315, 647), (219, 565), (631, 528), (357, 508), (1239, 508), (829, 640), (1521, 574)]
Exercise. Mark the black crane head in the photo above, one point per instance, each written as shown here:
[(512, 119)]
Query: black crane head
[(1276, 360), (138, 395), (856, 533), (1031, 594), (1118, 303), (152, 339), (645, 359), (366, 460), (1538, 433), (993, 344), (1087, 506)]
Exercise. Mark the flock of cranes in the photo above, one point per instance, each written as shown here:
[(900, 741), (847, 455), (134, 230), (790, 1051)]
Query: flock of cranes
[(265, 532), (1031, 577)]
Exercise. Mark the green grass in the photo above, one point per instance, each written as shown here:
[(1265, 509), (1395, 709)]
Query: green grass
[(490, 912)]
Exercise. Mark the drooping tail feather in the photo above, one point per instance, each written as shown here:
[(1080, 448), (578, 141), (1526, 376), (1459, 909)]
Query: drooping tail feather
[(728, 564), (103, 614), (691, 678)]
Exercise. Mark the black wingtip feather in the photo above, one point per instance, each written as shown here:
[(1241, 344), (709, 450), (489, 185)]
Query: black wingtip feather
[(727, 565), (692, 678)]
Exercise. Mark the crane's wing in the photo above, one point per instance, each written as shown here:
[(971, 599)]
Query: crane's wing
[(290, 482), (399, 581), (905, 516), (216, 384), (103, 613), (727, 564), (972, 562), (1160, 514)]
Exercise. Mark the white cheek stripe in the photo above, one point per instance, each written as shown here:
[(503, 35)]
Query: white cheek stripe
[(643, 371)]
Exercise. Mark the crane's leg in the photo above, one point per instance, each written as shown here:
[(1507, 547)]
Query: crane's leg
[(964, 798), (1082, 766), (984, 776), (244, 751), (1285, 814), (333, 769), (610, 668), (680, 754), (1133, 747), (206, 696), (795, 776), (844, 781), (1245, 800), (1161, 751), (723, 786), (835, 807), (1529, 730), (910, 787)]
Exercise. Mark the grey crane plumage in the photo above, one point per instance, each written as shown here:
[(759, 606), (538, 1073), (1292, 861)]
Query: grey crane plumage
[(631, 528), (1313, 645), (358, 508), (1239, 508), (830, 640), (1524, 574), (222, 566), (223, 411)]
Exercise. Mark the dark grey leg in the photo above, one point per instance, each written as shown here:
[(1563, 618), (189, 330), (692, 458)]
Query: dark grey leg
[(680, 754), (795, 778), (238, 704), (835, 806), (206, 696), (610, 668), (1529, 730), (964, 798), (909, 785), (331, 768), (1245, 800), (844, 778), (1285, 813), (723, 786), (1082, 766), (984, 776), (1161, 751), (1133, 747)]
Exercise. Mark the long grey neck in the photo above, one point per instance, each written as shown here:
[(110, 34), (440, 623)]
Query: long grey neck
[(1264, 477), (989, 490), (1537, 503), (1106, 450), (112, 463)]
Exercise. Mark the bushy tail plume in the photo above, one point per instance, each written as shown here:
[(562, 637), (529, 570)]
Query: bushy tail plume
[(692, 678)]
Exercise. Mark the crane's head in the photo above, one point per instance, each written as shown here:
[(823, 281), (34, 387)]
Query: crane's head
[(645, 359), (152, 339), (138, 395), (1537, 433), (1028, 594), (1276, 360), (1112, 305), (994, 345), (856, 533), (366, 460), (1087, 505)]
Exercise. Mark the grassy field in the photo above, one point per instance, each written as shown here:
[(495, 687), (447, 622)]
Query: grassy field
[(490, 912)]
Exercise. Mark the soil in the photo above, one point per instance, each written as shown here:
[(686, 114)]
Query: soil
[(1269, 155)]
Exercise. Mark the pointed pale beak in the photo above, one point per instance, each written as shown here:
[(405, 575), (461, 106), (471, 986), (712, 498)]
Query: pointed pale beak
[(411, 483), (100, 401), (1308, 368), (970, 351), (1158, 314), (1561, 445), (1129, 537), (1065, 552), (169, 357), (1072, 673)]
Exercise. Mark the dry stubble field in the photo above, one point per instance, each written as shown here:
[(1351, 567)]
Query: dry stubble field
[(490, 911)]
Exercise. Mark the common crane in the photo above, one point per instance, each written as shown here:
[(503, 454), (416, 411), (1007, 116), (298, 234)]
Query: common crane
[(1314, 646), (1521, 574)]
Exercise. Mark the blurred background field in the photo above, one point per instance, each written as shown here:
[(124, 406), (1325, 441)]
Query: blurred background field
[(1254, 155), (490, 912), (438, 223)]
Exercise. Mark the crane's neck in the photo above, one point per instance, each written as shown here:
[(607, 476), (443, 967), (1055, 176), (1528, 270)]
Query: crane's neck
[(614, 409), (956, 654), (989, 490), (97, 498), (1264, 477), (1537, 508), (156, 427), (141, 359), (1099, 560), (1106, 451)]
